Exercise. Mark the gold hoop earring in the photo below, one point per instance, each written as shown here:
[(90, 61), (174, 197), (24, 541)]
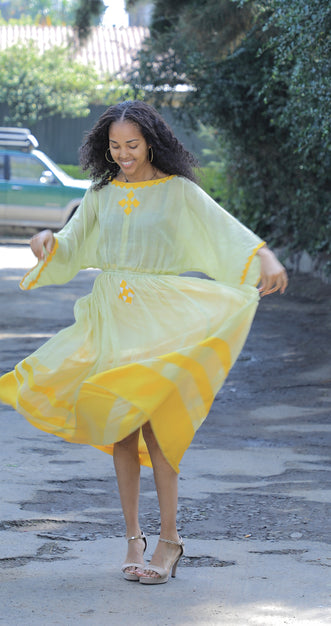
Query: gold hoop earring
[(106, 157), (150, 154)]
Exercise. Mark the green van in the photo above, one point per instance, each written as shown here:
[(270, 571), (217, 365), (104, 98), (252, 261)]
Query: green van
[(34, 192)]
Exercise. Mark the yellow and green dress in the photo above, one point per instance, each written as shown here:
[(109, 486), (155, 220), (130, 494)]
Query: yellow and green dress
[(147, 344)]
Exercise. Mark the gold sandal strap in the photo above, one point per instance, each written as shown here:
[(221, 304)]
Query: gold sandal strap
[(175, 543), (141, 536), (133, 538)]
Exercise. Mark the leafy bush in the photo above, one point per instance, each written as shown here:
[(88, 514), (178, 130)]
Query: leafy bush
[(36, 85)]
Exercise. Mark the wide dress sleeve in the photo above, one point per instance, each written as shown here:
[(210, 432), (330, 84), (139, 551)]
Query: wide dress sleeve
[(75, 248), (216, 243)]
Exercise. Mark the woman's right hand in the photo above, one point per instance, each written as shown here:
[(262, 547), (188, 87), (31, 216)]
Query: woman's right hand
[(44, 240)]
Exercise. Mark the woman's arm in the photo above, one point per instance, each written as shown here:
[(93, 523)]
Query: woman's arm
[(61, 256), (273, 273)]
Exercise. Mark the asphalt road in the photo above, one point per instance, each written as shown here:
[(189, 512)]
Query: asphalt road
[(254, 486)]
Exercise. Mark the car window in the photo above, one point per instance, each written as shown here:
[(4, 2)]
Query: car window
[(2, 166), (25, 168)]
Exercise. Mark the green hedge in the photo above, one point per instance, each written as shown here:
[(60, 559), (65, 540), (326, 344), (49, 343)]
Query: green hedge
[(74, 171)]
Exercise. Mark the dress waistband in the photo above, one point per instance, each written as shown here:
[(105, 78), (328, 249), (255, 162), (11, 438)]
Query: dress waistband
[(124, 270)]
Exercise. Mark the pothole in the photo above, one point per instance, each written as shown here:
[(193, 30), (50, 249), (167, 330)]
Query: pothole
[(62, 530), (285, 551), (46, 552), (41, 451), (204, 561)]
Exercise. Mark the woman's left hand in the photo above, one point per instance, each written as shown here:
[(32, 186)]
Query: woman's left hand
[(273, 273)]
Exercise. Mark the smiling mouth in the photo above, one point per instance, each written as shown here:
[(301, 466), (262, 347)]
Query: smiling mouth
[(126, 163)]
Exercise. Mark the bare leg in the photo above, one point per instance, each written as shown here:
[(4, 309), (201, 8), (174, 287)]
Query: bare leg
[(127, 466), (166, 481)]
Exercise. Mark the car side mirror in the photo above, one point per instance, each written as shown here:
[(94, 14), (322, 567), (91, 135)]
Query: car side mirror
[(47, 178)]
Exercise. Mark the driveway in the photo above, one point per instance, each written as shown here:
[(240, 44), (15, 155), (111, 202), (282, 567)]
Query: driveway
[(254, 505)]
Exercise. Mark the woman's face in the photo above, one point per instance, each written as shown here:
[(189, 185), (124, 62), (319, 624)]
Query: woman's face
[(129, 150)]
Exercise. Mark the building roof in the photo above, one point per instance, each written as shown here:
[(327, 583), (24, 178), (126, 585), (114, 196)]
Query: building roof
[(109, 49)]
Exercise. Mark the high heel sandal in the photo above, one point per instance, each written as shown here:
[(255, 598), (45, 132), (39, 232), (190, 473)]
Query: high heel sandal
[(125, 566), (163, 573)]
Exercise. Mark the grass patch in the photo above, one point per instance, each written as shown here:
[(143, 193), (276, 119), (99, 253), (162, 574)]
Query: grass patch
[(74, 171)]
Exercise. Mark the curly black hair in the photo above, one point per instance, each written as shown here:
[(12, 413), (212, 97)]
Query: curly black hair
[(169, 154)]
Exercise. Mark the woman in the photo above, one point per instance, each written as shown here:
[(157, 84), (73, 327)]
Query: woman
[(138, 371)]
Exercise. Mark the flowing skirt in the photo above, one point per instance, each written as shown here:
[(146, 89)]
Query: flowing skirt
[(143, 348)]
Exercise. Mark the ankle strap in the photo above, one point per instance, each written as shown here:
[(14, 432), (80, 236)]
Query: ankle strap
[(175, 543), (141, 536)]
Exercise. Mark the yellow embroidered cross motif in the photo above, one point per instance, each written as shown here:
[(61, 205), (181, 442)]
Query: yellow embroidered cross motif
[(126, 293), (129, 202)]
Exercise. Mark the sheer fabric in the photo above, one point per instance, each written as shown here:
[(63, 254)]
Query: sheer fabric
[(147, 344)]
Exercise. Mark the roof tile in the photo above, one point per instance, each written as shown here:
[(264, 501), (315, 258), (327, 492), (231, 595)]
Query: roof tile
[(109, 49)]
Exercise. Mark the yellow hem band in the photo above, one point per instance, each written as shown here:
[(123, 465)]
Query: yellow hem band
[(33, 282), (249, 260)]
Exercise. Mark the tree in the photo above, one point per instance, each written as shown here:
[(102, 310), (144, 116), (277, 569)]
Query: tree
[(87, 13), (301, 47), (259, 72), (38, 11), (82, 14), (36, 85)]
